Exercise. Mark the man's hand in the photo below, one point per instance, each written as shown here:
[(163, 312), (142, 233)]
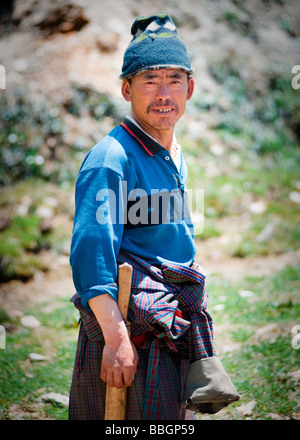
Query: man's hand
[(119, 363), (119, 357)]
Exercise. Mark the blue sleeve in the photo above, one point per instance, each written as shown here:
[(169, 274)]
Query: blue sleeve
[(97, 233)]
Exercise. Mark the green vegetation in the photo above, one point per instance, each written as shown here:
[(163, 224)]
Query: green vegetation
[(249, 171), (261, 313), (28, 211), (260, 320), (258, 162), (23, 382)]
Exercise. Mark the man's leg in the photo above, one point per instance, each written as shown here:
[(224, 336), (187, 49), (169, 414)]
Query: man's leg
[(171, 375), (87, 396)]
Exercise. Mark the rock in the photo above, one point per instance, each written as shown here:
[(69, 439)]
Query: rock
[(265, 234), (196, 128), (23, 208), (63, 260), (20, 64), (30, 321), (294, 197), (16, 412), (37, 357), (258, 207), (62, 20), (247, 408), (45, 212), (295, 375), (16, 314), (297, 184), (250, 296), (46, 225), (5, 220), (227, 188), (292, 396), (268, 332), (229, 347), (275, 416), (235, 161), (217, 149), (108, 42), (246, 293), (56, 398), (295, 416), (116, 24), (218, 307), (51, 201)]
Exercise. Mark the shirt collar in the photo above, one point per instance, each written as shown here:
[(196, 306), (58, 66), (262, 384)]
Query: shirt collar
[(149, 144)]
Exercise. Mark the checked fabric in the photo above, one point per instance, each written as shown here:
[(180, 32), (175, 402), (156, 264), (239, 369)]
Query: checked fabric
[(169, 303), (168, 313)]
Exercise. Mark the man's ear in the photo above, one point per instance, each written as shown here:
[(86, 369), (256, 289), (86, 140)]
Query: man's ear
[(191, 87), (126, 90)]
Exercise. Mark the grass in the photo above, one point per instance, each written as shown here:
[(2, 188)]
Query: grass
[(23, 381), (268, 180), (258, 133), (260, 368), (262, 323), (273, 299), (259, 162), (18, 244), (24, 237), (261, 373)]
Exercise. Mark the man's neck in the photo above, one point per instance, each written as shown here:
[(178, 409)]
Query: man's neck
[(163, 137)]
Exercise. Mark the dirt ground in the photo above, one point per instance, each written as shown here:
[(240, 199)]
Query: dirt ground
[(57, 280), (87, 47), (45, 61)]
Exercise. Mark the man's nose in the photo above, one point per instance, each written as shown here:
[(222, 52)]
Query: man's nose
[(163, 92)]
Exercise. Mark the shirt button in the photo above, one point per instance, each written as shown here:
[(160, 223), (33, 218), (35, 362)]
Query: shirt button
[(167, 158)]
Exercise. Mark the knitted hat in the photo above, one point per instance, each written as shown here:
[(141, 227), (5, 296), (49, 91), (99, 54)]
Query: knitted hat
[(155, 45)]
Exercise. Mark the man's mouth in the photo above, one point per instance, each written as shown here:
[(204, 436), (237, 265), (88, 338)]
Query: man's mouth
[(163, 110)]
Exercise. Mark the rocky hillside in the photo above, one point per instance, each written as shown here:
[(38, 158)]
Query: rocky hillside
[(240, 137), (46, 46), (62, 61)]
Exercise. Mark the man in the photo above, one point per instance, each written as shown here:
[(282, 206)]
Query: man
[(131, 206)]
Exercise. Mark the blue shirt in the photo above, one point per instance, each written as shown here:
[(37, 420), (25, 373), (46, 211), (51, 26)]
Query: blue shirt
[(129, 196)]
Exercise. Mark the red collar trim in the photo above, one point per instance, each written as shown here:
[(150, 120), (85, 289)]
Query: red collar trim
[(149, 145)]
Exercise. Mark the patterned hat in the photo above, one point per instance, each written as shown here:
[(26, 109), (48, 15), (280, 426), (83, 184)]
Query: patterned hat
[(155, 45)]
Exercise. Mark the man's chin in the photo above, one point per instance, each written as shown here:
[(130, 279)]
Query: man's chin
[(163, 123)]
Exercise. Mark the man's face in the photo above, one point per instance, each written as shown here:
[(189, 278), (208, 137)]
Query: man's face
[(158, 97)]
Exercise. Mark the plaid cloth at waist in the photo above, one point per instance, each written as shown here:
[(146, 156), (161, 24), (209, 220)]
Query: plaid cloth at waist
[(168, 311), (167, 303)]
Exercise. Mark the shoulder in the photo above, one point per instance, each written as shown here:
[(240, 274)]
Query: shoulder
[(109, 153)]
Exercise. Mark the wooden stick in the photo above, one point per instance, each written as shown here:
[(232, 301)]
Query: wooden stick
[(116, 398)]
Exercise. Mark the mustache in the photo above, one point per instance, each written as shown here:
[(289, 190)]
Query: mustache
[(162, 105)]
